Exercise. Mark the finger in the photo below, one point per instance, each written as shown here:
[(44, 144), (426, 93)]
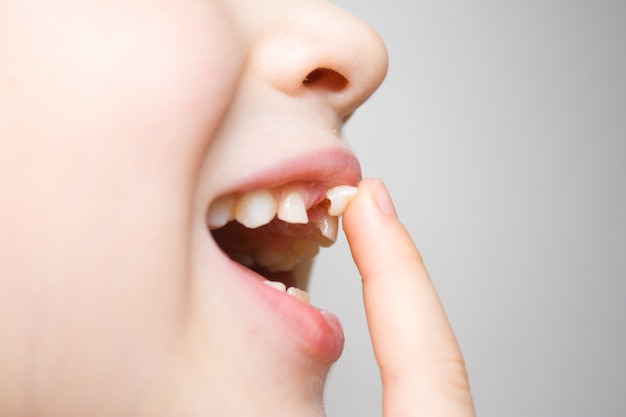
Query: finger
[(421, 366)]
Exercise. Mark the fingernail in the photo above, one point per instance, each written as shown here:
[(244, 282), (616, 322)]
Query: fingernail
[(384, 199)]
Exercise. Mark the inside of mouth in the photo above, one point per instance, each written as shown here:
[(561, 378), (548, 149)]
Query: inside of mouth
[(276, 249)]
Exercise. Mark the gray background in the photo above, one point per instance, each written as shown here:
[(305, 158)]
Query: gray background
[(501, 133)]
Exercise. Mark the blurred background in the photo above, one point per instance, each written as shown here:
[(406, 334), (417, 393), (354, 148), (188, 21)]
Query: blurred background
[(501, 134)]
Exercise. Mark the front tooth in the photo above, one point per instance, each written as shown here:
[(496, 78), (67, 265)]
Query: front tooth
[(221, 212), (299, 294), (328, 226), (339, 198), (292, 209), (255, 209), (277, 285)]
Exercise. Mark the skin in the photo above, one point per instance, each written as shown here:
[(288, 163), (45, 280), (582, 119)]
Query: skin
[(421, 365), (120, 121)]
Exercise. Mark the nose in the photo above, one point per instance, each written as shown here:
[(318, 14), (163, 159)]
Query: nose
[(314, 47)]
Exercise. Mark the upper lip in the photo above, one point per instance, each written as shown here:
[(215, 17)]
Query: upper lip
[(327, 168)]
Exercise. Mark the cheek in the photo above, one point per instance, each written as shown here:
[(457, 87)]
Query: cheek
[(146, 75), (105, 115), (112, 107)]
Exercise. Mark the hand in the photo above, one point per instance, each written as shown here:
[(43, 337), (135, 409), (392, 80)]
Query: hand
[(421, 366)]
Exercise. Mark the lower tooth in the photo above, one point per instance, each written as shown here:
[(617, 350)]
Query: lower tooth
[(277, 285), (298, 294)]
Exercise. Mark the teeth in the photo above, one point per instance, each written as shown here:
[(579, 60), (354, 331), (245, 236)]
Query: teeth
[(299, 294), (328, 227), (221, 212), (292, 291), (339, 198), (322, 241), (277, 285), (292, 203), (255, 209), (292, 209)]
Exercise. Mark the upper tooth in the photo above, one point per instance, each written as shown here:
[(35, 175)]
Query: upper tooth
[(289, 203), (256, 208), (328, 226), (292, 209), (221, 212), (339, 198)]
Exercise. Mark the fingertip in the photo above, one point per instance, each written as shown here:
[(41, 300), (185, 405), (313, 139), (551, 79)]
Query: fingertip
[(420, 363), (362, 212), (383, 199), (372, 228), (371, 201)]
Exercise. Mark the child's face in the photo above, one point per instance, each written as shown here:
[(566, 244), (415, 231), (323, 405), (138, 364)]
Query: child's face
[(121, 123)]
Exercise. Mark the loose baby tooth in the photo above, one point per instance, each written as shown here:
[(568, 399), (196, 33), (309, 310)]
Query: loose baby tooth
[(277, 285), (292, 209), (328, 227), (299, 294), (255, 209), (322, 241), (339, 198), (221, 212)]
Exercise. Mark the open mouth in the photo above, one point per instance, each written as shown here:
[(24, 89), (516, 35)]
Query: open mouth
[(275, 232)]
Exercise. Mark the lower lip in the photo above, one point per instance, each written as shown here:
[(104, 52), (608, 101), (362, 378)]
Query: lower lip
[(316, 333)]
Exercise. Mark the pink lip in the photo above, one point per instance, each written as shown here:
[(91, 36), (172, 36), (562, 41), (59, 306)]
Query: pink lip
[(327, 168), (312, 332), (315, 333)]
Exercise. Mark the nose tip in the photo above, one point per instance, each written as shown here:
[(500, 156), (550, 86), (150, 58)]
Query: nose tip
[(326, 51)]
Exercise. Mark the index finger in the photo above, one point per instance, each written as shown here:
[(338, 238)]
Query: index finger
[(421, 366)]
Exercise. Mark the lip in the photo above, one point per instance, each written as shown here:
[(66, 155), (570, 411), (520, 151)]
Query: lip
[(326, 168), (313, 332)]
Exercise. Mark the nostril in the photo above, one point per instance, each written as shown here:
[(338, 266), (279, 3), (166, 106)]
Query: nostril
[(326, 79)]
